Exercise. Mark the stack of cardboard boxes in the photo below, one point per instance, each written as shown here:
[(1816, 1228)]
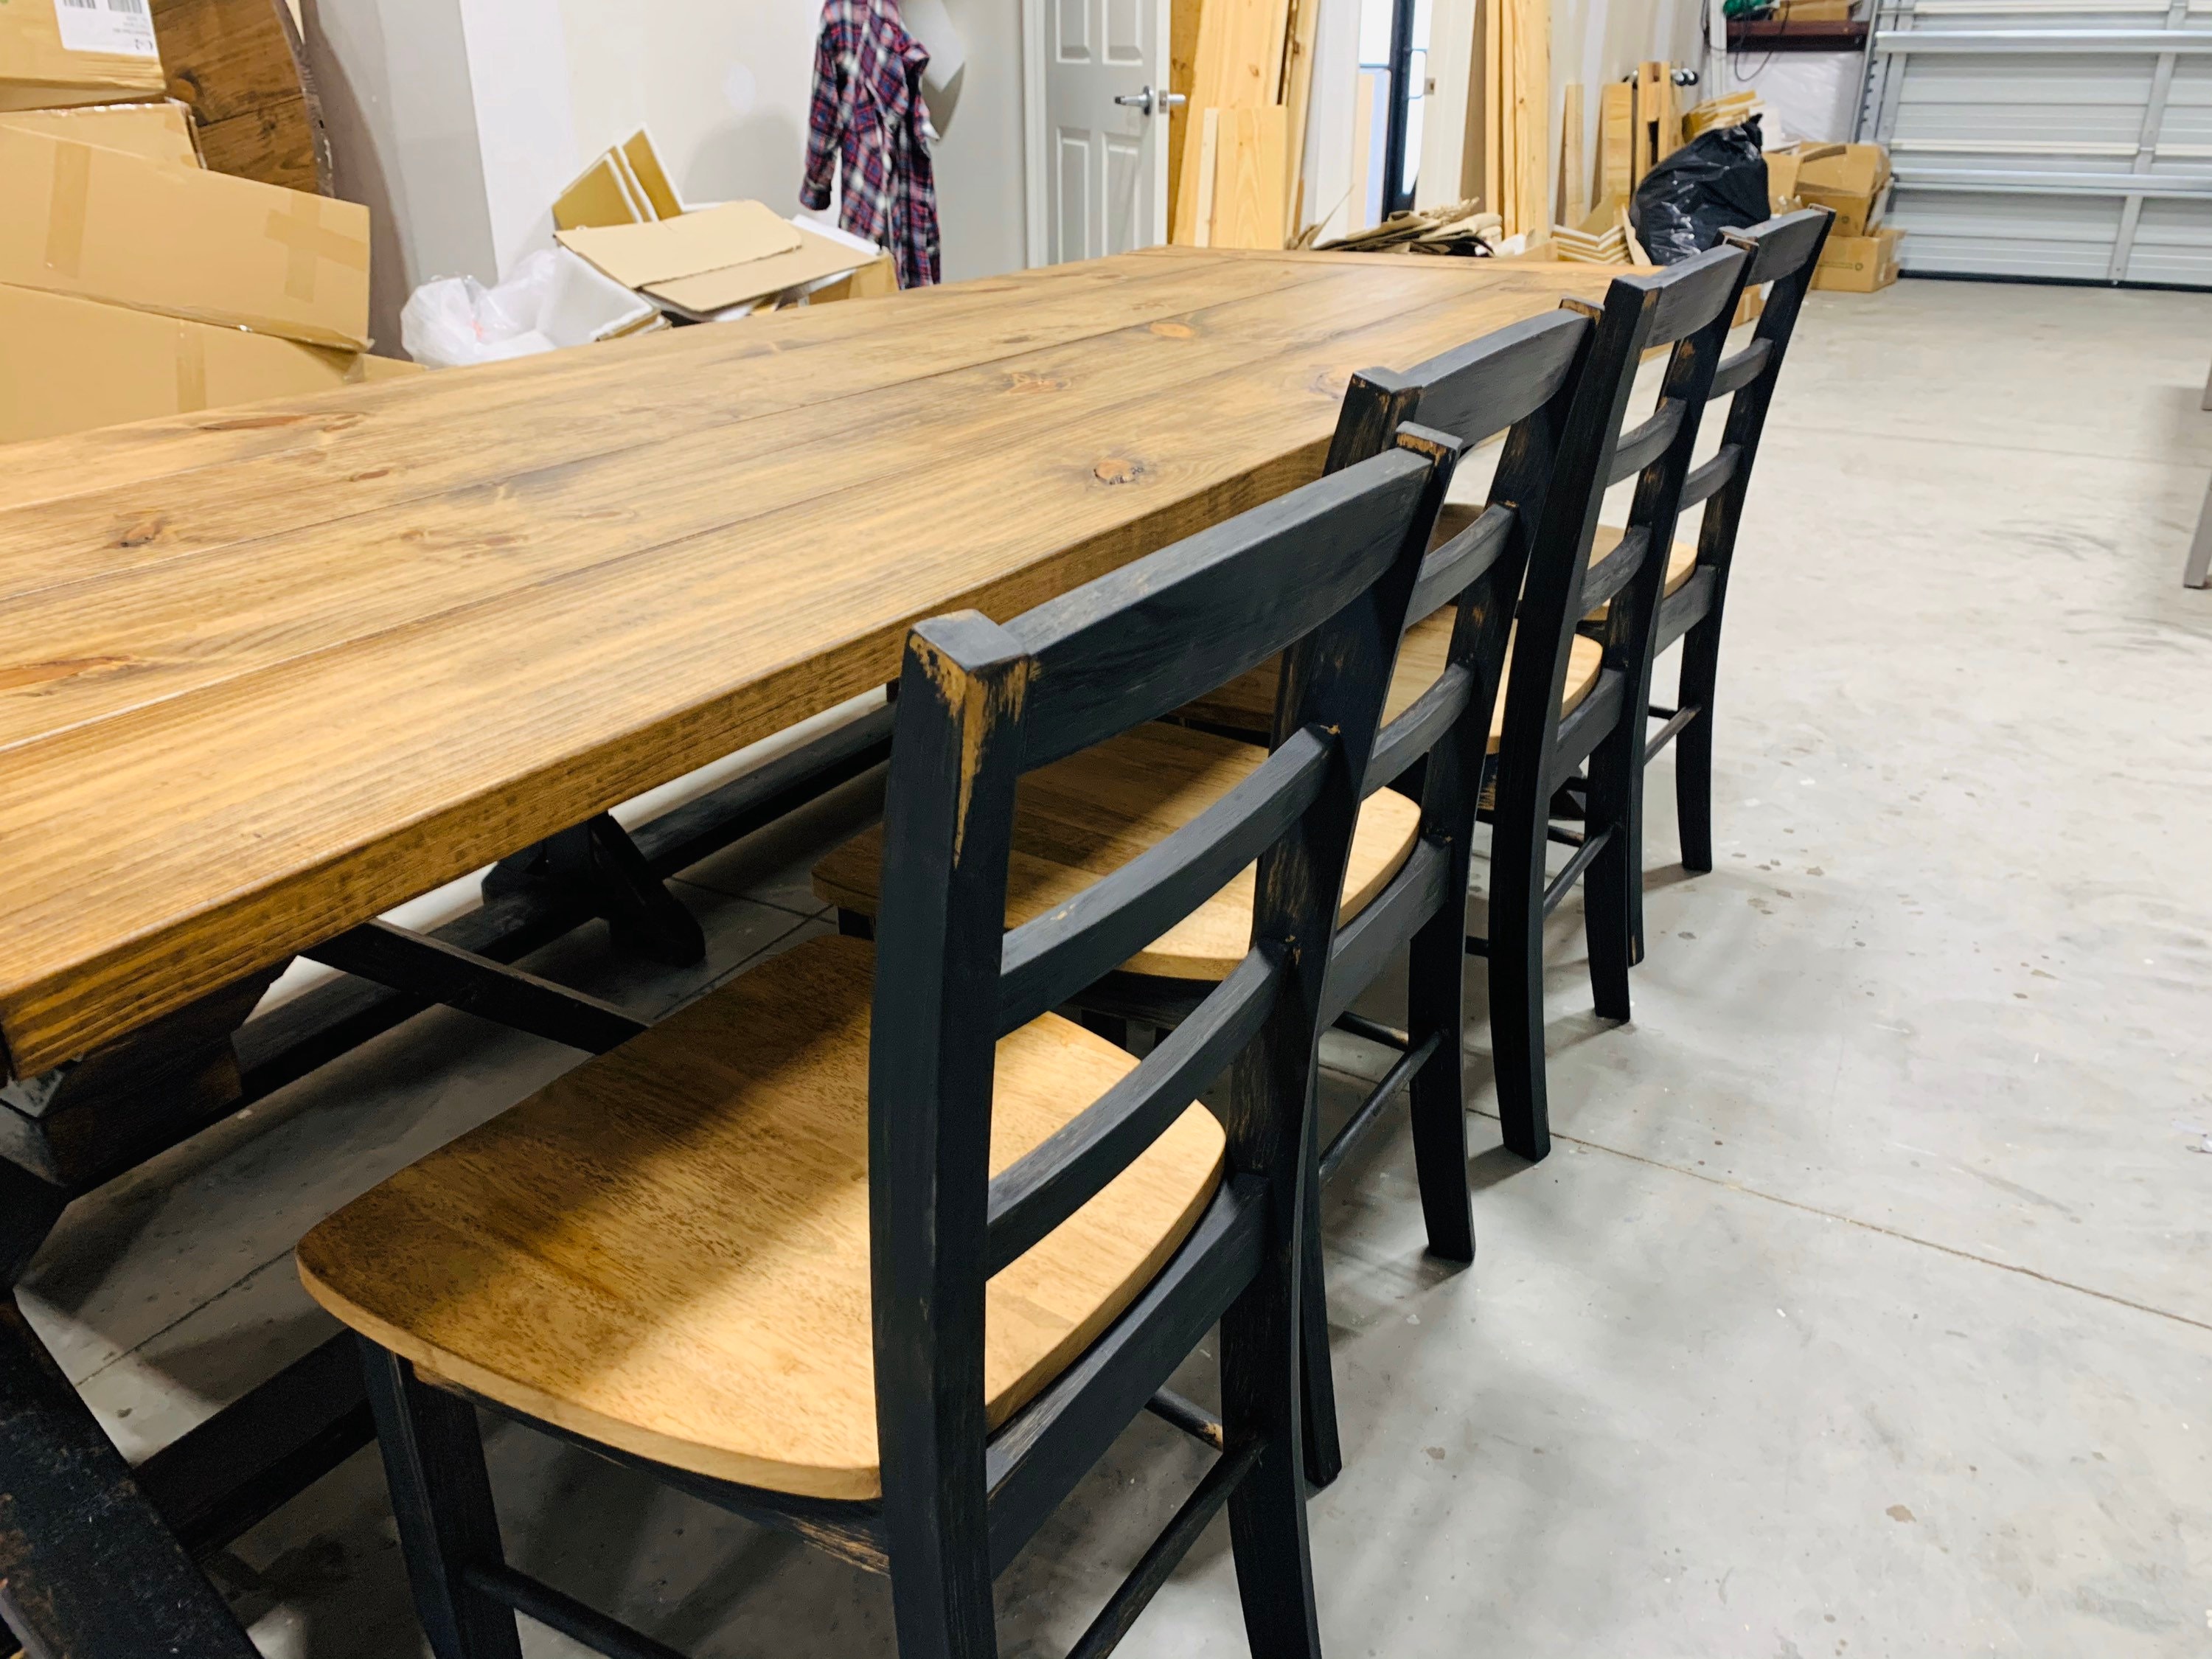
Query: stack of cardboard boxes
[(133, 283), (1860, 255)]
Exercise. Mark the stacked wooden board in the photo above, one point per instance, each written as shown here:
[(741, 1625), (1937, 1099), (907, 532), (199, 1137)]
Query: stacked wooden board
[(1236, 148), (1639, 124), (1516, 97)]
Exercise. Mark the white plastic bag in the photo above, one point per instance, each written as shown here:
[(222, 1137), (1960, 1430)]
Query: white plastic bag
[(551, 299)]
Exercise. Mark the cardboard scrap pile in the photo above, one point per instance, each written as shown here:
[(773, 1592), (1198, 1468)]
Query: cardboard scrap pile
[(1860, 255), (134, 283), (710, 263), (1461, 227)]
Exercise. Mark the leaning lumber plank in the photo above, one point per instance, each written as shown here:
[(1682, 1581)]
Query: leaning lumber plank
[(1574, 171), (1238, 64)]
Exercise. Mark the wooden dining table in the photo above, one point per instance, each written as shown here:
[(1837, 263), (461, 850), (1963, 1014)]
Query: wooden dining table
[(267, 673)]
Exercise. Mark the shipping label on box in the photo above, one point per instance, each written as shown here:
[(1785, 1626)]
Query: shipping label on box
[(56, 52), (119, 28), (78, 219)]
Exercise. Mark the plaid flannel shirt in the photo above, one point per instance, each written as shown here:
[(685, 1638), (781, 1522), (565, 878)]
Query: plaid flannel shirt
[(867, 109)]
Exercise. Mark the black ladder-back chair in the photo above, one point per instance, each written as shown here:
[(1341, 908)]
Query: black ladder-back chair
[(1519, 380), (1784, 251), (1323, 575), (1687, 307)]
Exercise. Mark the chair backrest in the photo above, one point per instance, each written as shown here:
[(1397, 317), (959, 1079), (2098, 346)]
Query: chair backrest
[(1520, 380), (1686, 307), (1323, 575), (1784, 252)]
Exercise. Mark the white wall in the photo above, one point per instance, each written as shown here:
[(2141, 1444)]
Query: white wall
[(458, 121), (393, 76)]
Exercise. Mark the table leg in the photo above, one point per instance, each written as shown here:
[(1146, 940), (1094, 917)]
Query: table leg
[(88, 1568), (2200, 549)]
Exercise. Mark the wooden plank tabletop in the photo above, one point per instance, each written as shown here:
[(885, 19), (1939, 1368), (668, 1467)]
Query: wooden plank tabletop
[(269, 672)]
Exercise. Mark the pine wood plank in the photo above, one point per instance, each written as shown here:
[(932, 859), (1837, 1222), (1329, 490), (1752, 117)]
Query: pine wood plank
[(162, 851), (1574, 168), (1303, 29), (1247, 179), (1238, 65), (1183, 65), (97, 646), (529, 428), (1616, 152), (1532, 119), (667, 1249), (1086, 816), (112, 457)]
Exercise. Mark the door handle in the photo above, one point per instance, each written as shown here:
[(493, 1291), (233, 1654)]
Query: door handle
[(1150, 102)]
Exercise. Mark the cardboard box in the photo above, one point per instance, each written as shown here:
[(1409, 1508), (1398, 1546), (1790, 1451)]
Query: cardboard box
[(54, 52), (1853, 179), (1858, 265), (873, 281), (104, 225), (159, 131), (68, 364), (720, 258)]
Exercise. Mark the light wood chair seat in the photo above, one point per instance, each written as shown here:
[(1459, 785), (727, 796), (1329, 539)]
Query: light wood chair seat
[(1088, 815), (666, 1250), (1249, 704)]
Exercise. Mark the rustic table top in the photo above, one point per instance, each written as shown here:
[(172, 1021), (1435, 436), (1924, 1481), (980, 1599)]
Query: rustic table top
[(269, 672)]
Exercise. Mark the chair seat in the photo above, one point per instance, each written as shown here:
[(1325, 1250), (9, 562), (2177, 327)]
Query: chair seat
[(1248, 704), (1088, 815), (667, 1249), (1682, 564)]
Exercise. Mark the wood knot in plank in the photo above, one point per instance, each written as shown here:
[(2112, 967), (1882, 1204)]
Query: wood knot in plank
[(15, 676), (1115, 470), (1174, 331), (1021, 383), (146, 530)]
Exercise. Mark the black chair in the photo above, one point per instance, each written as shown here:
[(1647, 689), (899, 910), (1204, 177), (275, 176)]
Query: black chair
[(1414, 844), (1687, 307), (751, 1251), (1783, 253)]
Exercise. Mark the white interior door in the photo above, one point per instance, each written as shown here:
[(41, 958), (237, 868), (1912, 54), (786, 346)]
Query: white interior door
[(1098, 160)]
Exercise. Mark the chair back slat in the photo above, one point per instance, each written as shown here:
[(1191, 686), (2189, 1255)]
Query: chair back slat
[(1472, 392), (1739, 371), (1452, 565), (1058, 1177), (1710, 475), (1049, 960), (1136, 644), (1645, 443)]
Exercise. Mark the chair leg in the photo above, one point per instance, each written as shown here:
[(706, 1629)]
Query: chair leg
[(441, 1498), (1323, 1443), (1437, 976), (1259, 1389), (1612, 885), (1515, 952), (1693, 748)]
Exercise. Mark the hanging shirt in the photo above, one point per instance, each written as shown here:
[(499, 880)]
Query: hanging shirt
[(868, 110)]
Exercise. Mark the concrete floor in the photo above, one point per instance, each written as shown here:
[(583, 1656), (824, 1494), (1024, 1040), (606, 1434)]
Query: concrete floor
[(1866, 1305)]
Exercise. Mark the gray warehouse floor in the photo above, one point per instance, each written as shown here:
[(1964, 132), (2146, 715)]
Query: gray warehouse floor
[(1865, 1307)]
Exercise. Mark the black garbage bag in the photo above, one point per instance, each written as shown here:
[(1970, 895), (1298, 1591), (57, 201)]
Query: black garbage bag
[(1715, 182)]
